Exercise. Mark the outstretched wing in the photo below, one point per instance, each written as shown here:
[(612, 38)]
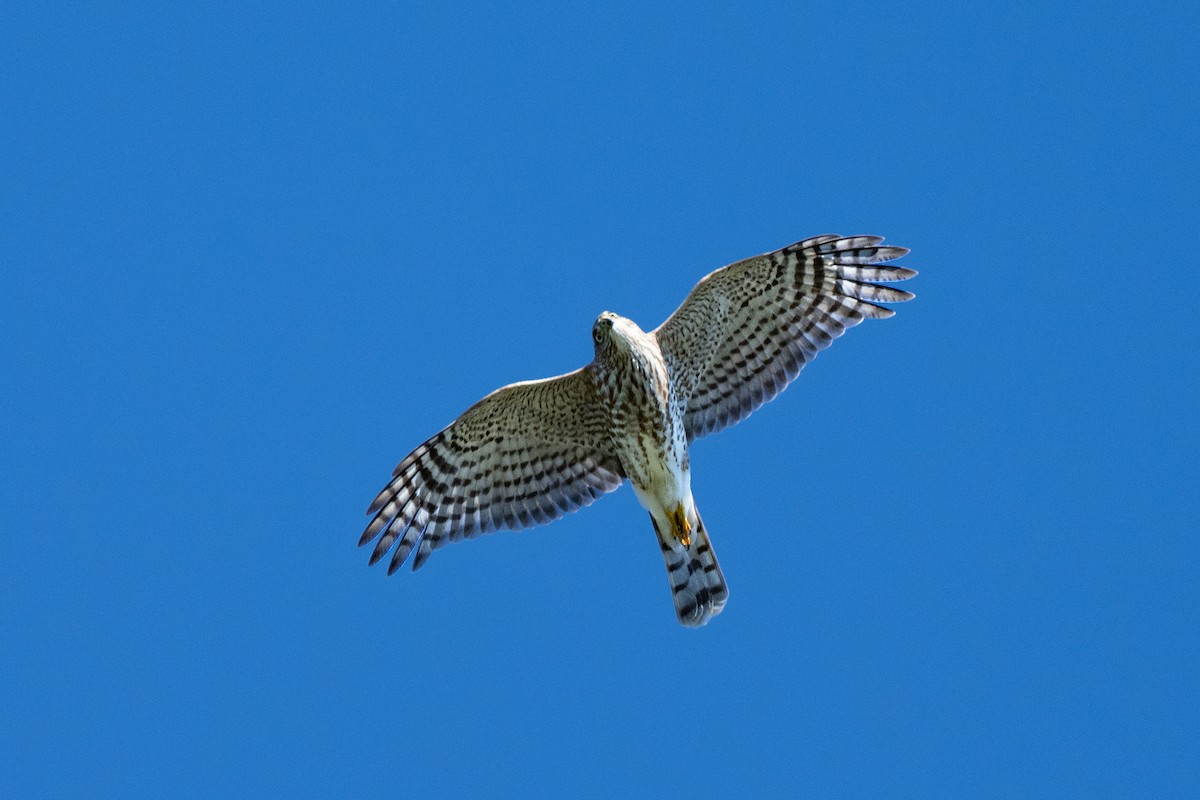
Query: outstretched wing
[(525, 454), (747, 330)]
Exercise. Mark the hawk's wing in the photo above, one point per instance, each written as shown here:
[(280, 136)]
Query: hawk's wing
[(748, 329), (525, 454)]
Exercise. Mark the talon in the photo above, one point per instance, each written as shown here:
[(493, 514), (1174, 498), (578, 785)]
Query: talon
[(683, 528)]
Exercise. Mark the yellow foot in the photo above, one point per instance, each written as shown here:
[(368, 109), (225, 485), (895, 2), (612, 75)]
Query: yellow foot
[(682, 528)]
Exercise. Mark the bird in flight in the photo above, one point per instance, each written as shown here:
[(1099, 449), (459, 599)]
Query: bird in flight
[(531, 452)]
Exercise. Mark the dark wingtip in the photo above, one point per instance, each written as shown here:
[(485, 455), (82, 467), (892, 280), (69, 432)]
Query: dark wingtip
[(380, 500), (420, 558), (366, 537)]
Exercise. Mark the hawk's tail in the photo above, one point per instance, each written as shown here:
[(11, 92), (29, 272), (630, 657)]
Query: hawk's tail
[(697, 585)]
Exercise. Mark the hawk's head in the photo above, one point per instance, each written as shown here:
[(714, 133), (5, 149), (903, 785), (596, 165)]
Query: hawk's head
[(614, 335), (602, 330)]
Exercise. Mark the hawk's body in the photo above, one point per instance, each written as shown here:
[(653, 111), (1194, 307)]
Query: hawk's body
[(533, 451), (649, 437)]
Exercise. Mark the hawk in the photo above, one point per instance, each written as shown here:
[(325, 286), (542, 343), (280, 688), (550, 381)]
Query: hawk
[(530, 452)]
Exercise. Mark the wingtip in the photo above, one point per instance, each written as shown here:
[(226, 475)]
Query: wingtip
[(880, 312), (381, 499), (372, 530), (421, 557)]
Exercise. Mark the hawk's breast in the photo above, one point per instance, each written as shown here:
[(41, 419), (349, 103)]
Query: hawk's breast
[(647, 430)]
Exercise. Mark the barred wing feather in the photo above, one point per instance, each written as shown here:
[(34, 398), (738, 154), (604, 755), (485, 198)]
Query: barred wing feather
[(526, 454), (746, 330)]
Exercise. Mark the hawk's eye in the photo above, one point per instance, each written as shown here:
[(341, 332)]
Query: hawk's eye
[(598, 334)]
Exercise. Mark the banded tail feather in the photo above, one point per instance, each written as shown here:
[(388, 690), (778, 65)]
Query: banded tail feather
[(697, 585)]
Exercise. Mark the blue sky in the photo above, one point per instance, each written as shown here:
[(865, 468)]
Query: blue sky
[(253, 254)]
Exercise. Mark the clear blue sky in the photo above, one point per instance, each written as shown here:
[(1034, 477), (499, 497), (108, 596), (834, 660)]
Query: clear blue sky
[(253, 254)]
